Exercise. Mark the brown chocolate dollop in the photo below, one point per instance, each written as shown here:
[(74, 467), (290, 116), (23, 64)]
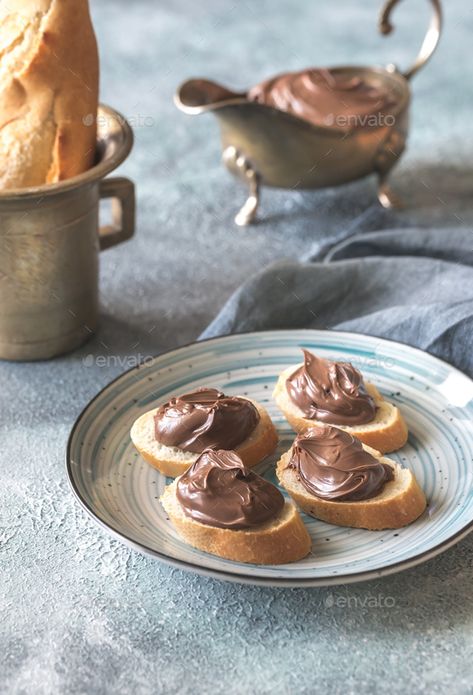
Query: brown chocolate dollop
[(203, 419), (219, 491), (333, 465), (332, 392), (326, 98)]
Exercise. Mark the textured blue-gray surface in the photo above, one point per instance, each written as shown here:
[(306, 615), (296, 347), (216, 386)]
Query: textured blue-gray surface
[(80, 612)]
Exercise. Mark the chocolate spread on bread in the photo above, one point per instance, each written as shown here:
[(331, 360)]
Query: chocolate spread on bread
[(219, 491), (332, 392), (332, 464), (203, 419), (325, 98)]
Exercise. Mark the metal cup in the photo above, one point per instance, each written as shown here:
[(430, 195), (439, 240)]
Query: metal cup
[(50, 239)]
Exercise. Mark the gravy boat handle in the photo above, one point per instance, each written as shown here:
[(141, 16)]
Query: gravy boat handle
[(431, 38)]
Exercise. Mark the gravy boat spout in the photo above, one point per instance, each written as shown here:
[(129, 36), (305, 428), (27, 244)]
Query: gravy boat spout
[(200, 95)]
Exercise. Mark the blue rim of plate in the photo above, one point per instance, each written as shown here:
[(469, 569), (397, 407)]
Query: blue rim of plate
[(235, 576)]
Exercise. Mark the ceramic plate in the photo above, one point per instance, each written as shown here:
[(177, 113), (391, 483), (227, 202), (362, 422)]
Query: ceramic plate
[(122, 492)]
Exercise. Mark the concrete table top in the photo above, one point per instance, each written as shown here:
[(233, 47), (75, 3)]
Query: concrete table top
[(82, 613)]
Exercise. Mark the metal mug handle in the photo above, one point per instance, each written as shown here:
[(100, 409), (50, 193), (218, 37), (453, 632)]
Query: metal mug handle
[(431, 38), (122, 192)]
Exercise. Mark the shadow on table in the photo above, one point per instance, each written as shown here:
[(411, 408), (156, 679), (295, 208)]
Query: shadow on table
[(432, 194), (432, 597)]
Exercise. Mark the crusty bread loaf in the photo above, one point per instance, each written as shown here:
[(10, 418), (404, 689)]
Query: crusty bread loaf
[(284, 539), (400, 502), (48, 91), (172, 461), (386, 433)]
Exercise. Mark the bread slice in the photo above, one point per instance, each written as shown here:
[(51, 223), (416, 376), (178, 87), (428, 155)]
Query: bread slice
[(386, 433), (400, 502), (172, 461), (281, 540)]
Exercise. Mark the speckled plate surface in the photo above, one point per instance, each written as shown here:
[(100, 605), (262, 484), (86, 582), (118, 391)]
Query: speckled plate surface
[(122, 492)]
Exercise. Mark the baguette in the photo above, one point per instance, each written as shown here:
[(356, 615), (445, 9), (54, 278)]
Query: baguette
[(172, 461), (386, 433), (281, 540), (48, 91), (400, 502)]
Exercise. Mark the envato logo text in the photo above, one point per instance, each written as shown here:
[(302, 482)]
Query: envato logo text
[(137, 120), (381, 361), (352, 602), (351, 120), (122, 361)]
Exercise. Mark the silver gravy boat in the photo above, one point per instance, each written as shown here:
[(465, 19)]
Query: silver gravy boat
[(266, 146)]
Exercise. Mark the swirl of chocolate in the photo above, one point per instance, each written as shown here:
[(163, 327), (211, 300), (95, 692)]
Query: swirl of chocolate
[(325, 98), (204, 419), (219, 491), (332, 392), (332, 464)]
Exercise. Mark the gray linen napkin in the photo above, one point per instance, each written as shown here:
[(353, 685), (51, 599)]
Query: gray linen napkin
[(411, 285)]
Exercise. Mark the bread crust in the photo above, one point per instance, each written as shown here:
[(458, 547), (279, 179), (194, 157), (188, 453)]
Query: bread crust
[(280, 541), (48, 91), (384, 437), (400, 503), (262, 442)]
